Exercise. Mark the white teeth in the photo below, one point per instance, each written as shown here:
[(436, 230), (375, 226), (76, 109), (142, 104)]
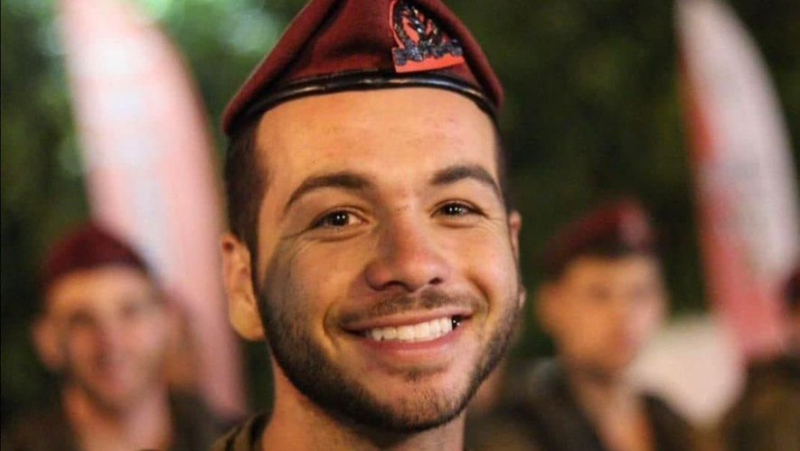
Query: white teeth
[(427, 331), (422, 331), (446, 325), (405, 333)]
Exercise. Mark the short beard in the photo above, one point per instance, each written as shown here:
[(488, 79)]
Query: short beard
[(344, 398)]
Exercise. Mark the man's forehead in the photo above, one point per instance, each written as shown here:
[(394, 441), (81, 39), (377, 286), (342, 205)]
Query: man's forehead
[(602, 266), (409, 130), (388, 108), (98, 288)]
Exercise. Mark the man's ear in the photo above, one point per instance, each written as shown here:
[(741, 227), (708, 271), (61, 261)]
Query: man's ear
[(514, 226), (242, 301), (45, 340)]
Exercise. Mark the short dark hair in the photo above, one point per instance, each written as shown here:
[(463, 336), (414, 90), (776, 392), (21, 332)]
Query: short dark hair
[(246, 180)]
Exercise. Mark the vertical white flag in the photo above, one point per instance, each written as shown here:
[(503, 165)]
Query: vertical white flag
[(149, 170), (746, 186)]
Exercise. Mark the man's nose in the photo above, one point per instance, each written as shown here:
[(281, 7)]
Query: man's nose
[(624, 307), (109, 333), (407, 257)]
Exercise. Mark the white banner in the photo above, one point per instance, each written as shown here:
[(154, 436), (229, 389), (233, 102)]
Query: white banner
[(746, 186), (149, 170)]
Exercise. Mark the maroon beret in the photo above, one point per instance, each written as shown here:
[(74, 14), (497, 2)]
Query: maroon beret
[(614, 229), (88, 246), (342, 45)]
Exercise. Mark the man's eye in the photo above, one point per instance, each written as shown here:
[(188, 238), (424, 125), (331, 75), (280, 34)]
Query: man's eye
[(456, 209), (336, 219), (135, 309)]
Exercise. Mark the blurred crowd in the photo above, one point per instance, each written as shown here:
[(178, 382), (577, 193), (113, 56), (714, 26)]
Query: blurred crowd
[(124, 357), (602, 301)]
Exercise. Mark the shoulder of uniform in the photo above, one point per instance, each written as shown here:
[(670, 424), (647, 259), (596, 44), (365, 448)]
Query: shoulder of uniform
[(39, 430), (243, 437)]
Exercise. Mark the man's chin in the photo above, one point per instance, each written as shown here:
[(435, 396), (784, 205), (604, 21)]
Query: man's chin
[(402, 403), (113, 400), (415, 411)]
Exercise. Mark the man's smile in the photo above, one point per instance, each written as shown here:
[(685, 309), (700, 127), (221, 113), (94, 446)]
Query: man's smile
[(413, 338), (424, 331), (413, 326)]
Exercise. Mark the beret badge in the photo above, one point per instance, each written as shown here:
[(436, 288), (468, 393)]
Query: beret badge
[(422, 44)]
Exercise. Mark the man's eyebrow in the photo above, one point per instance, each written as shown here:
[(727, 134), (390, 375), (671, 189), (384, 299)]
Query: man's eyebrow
[(456, 173), (345, 180)]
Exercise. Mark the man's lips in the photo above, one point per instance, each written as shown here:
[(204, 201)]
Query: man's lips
[(410, 327)]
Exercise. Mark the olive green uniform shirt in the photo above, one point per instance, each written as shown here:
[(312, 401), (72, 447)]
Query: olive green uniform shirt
[(195, 428)]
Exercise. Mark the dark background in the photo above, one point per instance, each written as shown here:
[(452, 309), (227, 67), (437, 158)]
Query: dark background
[(592, 112)]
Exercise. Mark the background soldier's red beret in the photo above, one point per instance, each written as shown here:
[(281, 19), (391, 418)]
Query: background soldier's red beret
[(613, 230), (338, 45), (88, 246)]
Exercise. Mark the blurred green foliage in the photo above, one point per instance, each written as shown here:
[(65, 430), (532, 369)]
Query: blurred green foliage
[(592, 112)]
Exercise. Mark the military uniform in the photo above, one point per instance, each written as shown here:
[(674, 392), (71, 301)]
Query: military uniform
[(195, 428), (544, 415), (767, 417), (244, 437)]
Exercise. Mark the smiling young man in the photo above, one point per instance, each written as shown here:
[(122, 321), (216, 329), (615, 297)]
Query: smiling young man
[(371, 243), (602, 300), (104, 329)]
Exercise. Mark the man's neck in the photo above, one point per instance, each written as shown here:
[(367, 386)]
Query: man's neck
[(600, 391), (147, 424), (299, 424)]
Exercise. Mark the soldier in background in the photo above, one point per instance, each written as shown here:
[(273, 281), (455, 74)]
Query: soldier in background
[(767, 416), (104, 327), (602, 299)]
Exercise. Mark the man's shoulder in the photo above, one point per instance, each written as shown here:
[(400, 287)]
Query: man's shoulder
[(547, 408), (659, 407), (196, 426), (243, 437), (767, 414), (778, 375), (671, 429), (539, 387), (770, 388), (40, 430)]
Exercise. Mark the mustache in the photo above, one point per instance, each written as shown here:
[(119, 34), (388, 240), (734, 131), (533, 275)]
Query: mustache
[(401, 303)]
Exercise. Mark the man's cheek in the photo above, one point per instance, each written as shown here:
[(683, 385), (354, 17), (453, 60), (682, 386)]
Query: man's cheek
[(76, 348), (488, 263)]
